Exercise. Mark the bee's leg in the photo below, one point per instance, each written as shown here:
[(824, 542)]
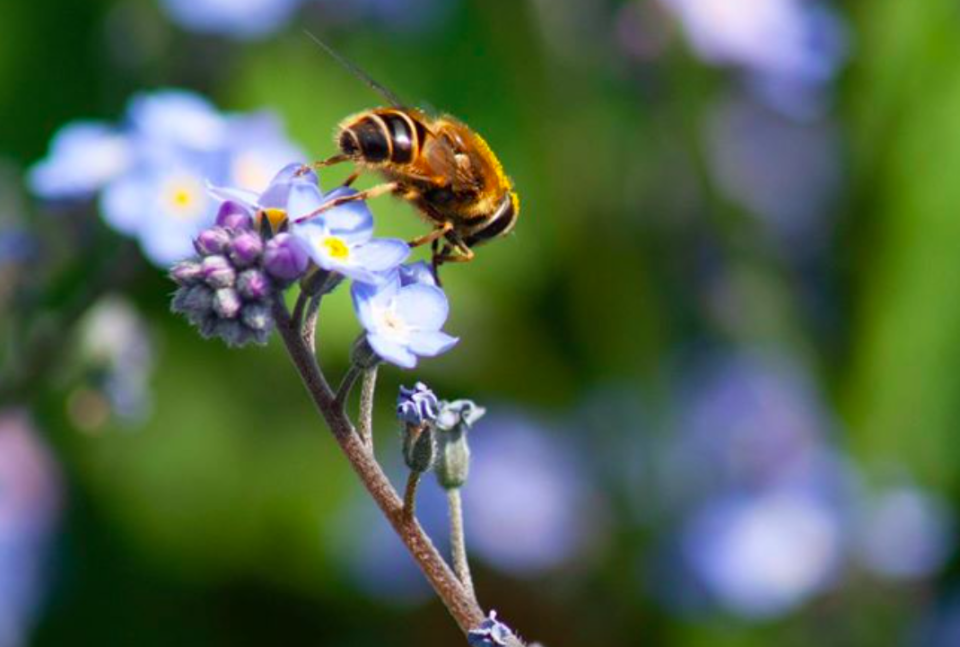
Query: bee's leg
[(432, 236), (454, 252), (352, 178), (366, 194), (330, 161)]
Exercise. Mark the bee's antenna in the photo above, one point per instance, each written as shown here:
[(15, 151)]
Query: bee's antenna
[(354, 69)]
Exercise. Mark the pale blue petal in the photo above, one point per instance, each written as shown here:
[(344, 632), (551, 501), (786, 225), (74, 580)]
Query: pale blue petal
[(177, 118), (430, 343), (125, 203), (84, 156), (392, 351), (381, 254), (352, 221), (350, 270), (419, 272), (366, 296), (423, 307), (225, 194), (304, 199)]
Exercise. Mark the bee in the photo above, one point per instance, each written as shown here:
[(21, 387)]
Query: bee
[(438, 164)]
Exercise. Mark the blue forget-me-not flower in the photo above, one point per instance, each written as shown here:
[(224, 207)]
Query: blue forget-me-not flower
[(403, 322), (151, 173)]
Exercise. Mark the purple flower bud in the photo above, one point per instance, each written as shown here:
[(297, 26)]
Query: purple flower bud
[(227, 303), (417, 405), (284, 258), (257, 317), (212, 241), (246, 249), (186, 273), (232, 332), (234, 216), (218, 272), (253, 285), (196, 300)]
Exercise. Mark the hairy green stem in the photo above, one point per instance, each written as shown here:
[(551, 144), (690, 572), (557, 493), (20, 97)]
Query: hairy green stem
[(458, 541)]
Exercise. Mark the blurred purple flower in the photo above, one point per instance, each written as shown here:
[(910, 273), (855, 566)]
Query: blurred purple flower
[(788, 48), (30, 502), (84, 156), (114, 340), (152, 173), (747, 420), (527, 505), (785, 173), (761, 556), (905, 534), (403, 322), (242, 19)]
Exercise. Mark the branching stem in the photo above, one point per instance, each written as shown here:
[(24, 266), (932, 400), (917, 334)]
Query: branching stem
[(410, 496), (368, 386), (452, 593)]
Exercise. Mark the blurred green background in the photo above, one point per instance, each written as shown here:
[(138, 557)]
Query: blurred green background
[(671, 215)]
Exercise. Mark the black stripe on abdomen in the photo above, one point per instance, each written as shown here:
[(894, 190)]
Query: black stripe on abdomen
[(501, 221), (402, 136), (371, 133)]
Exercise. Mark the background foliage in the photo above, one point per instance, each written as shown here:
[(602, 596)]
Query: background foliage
[(697, 279)]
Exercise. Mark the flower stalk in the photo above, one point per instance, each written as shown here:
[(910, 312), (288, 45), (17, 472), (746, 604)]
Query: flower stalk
[(459, 602)]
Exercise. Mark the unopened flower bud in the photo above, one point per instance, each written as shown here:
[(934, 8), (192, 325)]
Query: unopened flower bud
[(212, 241), (453, 460), (232, 332), (419, 447), (418, 405), (253, 284), (362, 355), (218, 272), (257, 317), (453, 422), (284, 258), (246, 249), (194, 301), (227, 303), (492, 633), (234, 216), (186, 273)]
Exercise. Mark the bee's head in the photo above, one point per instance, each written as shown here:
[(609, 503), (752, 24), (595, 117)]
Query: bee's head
[(499, 223)]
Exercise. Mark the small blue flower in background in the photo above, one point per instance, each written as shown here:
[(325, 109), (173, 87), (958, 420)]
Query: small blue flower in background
[(84, 156), (403, 321), (419, 272), (152, 173), (341, 239), (417, 405), (761, 556), (490, 633), (905, 533), (242, 19), (30, 507), (528, 507)]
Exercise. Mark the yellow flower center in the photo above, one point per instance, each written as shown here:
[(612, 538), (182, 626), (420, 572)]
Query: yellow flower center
[(275, 217), (336, 247), (184, 197)]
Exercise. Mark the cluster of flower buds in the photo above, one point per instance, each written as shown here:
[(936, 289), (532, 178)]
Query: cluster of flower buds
[(435, 434), (226, 289)]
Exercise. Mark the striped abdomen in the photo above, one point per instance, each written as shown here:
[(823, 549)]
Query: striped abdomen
[(382, 135)]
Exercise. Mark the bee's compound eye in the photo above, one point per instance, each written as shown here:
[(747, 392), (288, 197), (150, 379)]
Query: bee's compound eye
[(348, 143)]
